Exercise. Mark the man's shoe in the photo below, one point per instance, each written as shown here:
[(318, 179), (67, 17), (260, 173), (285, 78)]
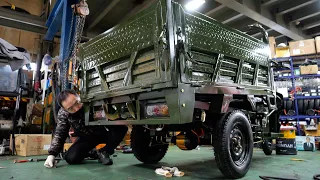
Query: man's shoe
[(104, 158)]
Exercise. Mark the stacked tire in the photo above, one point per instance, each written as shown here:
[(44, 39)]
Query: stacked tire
[(307, 107), (289, 108)]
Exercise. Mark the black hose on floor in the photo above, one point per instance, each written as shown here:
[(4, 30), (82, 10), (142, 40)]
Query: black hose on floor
[(316, 177), (275, 178)]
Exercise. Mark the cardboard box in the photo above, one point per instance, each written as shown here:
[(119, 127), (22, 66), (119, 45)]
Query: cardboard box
[(272, 45), (312, 132), (303, 47), (37, 120), (32, 144), (282, 52), (310, 69), (317, 41)]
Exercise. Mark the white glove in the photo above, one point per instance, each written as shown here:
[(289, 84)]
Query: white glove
[(50, 162), (174, 171), (163, 172)]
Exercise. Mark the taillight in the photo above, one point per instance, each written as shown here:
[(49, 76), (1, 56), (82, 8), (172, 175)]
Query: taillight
[(157, 110)]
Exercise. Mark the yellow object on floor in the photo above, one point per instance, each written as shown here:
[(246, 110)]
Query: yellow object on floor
[(68, 145), (295, 159), (288, 132)]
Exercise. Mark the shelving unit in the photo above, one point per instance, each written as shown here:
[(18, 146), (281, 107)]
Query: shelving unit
[(46, 100), (295, 61), (47, 120)]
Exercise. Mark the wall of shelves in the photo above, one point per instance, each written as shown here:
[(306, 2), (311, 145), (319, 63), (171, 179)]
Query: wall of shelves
[(293, 76)]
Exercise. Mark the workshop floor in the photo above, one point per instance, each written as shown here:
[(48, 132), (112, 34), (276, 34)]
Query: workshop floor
[(197, 164)]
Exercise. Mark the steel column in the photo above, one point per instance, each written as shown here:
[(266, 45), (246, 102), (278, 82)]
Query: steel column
[(280, 27), (102, 13), (232, 18), (311, 25), (18, 20), (55, 20), (218, 8), (293, 5), (310, 11)]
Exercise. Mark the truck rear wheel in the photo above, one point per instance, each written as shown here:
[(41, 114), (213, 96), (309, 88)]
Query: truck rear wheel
[(233, 144), (140, 144)]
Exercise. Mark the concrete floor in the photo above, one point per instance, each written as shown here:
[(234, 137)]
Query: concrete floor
[(197, 164)]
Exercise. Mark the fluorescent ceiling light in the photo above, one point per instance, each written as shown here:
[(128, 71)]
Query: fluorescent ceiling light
[(194, 4)]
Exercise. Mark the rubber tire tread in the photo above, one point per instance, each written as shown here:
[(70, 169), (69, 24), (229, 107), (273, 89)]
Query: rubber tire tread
[(266, 149), (285, 105), (311, 104), (300, 105), (305, 106), (140, 146), (289, 105), (317, 104), (221, 151)]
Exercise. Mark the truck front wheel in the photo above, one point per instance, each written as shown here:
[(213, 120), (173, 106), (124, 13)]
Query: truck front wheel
[(144, 148), (233, 144), (267, 147)]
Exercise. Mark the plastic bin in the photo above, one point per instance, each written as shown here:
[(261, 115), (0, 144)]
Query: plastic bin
[(8, 79)]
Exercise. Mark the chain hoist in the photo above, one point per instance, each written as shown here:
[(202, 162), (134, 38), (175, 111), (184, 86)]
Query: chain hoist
[(80, 11)]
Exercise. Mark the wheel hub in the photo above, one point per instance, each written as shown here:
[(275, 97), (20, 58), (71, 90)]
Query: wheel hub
[(238, 145)]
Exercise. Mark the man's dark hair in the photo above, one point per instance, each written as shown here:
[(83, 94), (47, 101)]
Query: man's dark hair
[(64, 94)]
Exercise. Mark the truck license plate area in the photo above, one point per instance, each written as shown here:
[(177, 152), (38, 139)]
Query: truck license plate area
[(134, 110)]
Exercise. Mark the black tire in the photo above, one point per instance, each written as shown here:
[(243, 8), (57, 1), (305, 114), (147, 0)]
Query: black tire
[(289, 105), (300, 106), (317, 104), (140, 140), (285, 105), (305, 106), (311, 104), (267, 147), (233, 154)]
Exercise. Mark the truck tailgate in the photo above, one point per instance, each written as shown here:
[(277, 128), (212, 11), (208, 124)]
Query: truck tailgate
[(127, 56)]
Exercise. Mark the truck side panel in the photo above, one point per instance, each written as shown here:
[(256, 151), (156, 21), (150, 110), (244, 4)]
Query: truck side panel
[(221, 54)]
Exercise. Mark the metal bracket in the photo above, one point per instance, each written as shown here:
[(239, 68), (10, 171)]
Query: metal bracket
[(128, 77), (102, 77)]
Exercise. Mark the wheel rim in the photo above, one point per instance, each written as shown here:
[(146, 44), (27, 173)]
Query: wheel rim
[(239, 144), (153, 149), (269, 145)]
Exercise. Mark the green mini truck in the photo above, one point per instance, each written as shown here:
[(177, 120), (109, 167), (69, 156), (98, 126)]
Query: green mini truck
[(166, 70)]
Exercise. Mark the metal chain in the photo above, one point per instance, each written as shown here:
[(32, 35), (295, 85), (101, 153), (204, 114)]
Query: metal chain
[(72, 49), (64, 64), (80, 25)]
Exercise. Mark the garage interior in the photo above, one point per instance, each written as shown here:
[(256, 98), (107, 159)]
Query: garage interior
[(43, 36)]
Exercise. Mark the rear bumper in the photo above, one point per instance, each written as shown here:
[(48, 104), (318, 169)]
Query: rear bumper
[(133, 122), (180, 102)]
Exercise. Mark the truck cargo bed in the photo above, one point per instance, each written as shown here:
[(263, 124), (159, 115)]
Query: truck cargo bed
[(165, 45)]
